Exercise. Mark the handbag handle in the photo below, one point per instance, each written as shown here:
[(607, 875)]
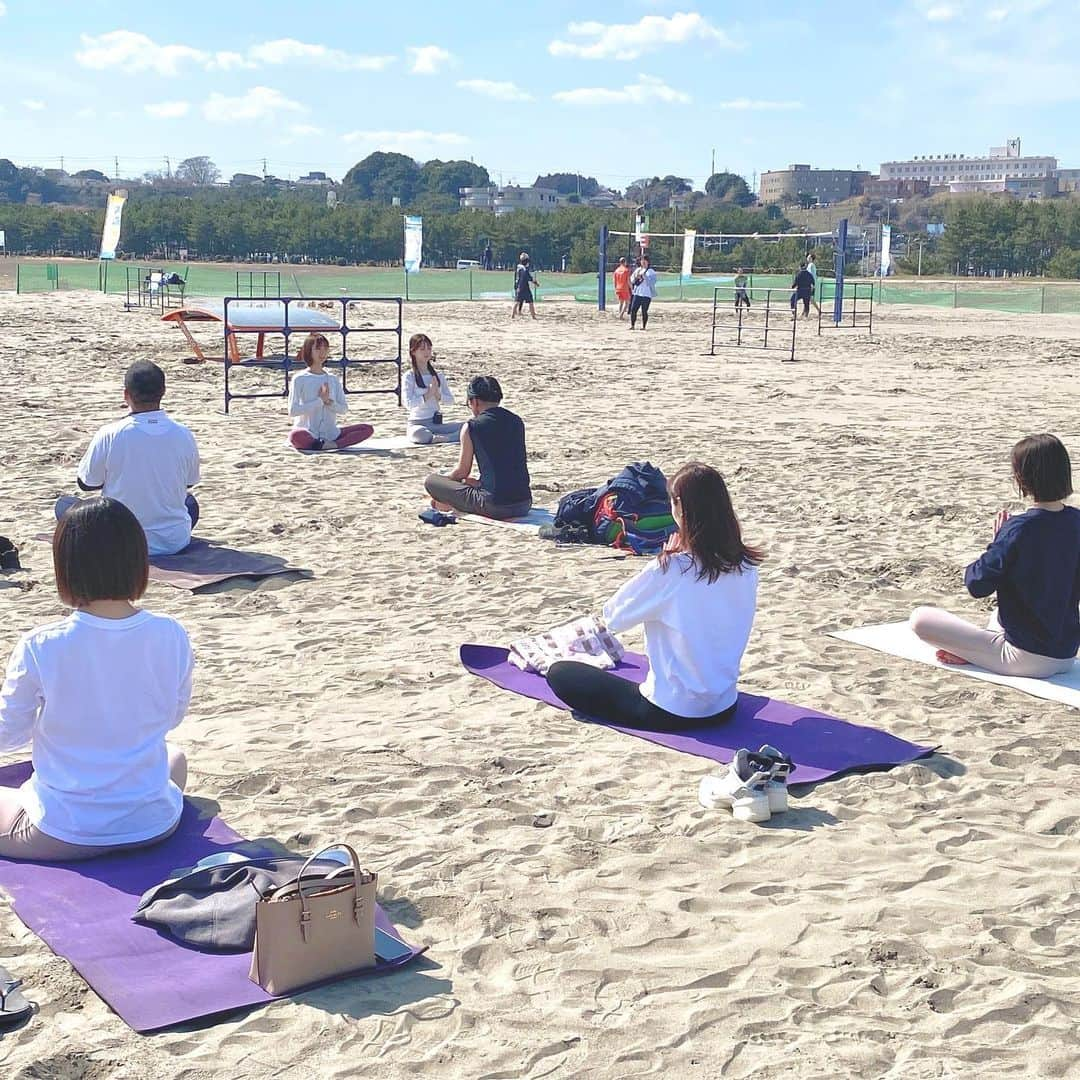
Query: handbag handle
[(358, 903)]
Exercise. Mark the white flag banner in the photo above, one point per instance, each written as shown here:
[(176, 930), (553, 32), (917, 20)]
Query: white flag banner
[(110, 234), (886, 242), (689, 236), (2, 242), (414, 243)]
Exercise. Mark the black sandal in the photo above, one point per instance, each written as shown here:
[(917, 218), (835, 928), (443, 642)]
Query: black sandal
[(13, 1006)]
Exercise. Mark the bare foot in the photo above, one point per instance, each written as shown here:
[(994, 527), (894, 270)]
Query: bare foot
[(950, 658)]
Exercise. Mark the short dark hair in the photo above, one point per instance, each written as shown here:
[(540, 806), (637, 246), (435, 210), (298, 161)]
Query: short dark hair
[(145, 382), (100, 553), (484, 388), (1041, 467)]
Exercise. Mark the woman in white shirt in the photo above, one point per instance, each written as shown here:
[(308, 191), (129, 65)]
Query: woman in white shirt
[(426, 391), (94, 695), (316, 399), (697, 603), (643, 286)]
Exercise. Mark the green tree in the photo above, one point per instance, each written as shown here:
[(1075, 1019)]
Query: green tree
[(382, 176), (448, 177), (1065, 264), (197, 170), (569, 184), (730, 187)]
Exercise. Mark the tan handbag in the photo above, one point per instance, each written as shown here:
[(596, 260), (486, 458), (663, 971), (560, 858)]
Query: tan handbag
[(307, 932)]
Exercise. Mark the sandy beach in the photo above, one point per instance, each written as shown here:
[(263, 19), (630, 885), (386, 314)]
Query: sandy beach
[(922, 922)]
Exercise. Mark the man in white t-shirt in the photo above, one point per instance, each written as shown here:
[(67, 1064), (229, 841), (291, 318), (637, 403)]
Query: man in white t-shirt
[(147, 461)]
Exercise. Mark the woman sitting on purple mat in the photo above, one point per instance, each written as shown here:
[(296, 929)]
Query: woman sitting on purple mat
[(1033, 565), (95, 695), (696, 602)]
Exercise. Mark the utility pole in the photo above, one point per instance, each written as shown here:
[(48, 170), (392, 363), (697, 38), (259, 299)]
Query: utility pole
[(264, 168), (61, 162), (712, 168), (168, 166), (116, 166)]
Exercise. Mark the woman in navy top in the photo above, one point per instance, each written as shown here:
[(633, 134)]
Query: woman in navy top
[(1033, 564)]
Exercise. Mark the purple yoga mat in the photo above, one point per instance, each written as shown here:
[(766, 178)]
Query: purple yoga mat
[(820, 745), (83, 910)]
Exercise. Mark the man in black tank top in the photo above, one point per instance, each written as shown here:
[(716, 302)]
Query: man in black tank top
[(495, 439)]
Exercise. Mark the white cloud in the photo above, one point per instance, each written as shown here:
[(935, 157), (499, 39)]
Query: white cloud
[(259, 103), (628, 41), (291, 51), (168, 110), (428, 59), (645, 90), (32, 104), (134, 52), (753, 105), (406, 142), (305, 131), (3, 8), (86, 113), (501, 91), (941, 13)]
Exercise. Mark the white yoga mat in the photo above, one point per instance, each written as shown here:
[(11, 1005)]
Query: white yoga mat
[(390, 442), (531, 522), (896, 639)]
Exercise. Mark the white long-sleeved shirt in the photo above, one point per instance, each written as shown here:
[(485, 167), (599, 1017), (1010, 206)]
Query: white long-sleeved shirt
[(307, 408), (95, 698), (147, 461), (420, 407), (695, 632), (644, 282)]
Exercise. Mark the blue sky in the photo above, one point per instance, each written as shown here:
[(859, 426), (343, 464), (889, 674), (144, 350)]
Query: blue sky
[(632, 88)]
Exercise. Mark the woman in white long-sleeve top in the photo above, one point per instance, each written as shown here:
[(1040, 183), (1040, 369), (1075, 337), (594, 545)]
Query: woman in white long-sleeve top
[(426, 392), (696, 602), (316, 400)]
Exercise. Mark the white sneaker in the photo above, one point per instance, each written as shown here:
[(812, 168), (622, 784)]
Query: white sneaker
[(741, 786), (779, 766)]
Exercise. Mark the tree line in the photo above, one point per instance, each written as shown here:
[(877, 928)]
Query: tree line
[(297, 225)]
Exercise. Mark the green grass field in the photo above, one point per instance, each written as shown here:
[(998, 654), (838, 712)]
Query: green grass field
[(203, 279)]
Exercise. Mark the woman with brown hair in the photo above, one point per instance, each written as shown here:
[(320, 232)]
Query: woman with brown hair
[(1033, 565), (316, 399), (696, 601), (94, 695), (425, 392)]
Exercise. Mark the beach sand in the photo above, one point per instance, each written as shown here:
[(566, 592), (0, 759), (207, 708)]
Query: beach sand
[(922, 922)]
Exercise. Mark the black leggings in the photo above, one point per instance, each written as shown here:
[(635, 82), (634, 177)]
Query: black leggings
[(600, 695), (640, 303)]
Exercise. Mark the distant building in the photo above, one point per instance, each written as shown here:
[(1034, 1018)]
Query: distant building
[(1068, 180), (505, 200), (895, 189), (826, 185), (315, 179), (243, 179), (990, 173)]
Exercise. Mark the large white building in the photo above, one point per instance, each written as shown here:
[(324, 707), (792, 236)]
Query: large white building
[(505, 200), (1002, 164)]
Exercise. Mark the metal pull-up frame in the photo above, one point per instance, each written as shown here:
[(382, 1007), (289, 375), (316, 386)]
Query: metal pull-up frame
[(292, 315)]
